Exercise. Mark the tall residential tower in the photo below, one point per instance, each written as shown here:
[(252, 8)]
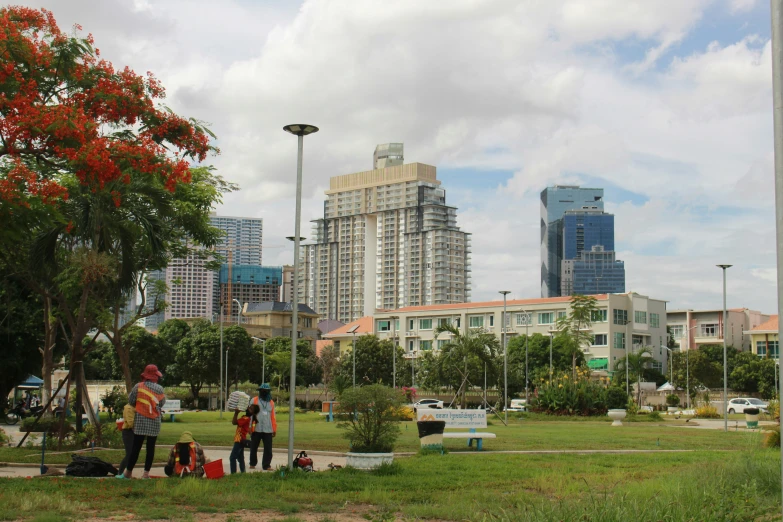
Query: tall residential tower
[(387, 240)]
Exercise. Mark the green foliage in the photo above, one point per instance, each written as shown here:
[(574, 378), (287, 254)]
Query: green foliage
[(575, 327), (616, 398), (197, 359), (103, 435), (637, 364), (371, 424), (772, 437), (4, 438), (655, 416), (114, 401), (673, 400), (564, 395), (278, 363), (374, 362), (46, 424), (707, 411)]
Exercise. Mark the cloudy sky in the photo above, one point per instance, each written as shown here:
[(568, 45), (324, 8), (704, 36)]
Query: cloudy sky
[(665, 104)]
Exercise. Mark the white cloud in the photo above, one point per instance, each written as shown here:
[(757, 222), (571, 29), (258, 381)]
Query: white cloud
[(738, 6), (530, 87)]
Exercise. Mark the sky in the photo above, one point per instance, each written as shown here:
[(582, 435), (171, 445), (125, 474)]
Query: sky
[(665, 104)]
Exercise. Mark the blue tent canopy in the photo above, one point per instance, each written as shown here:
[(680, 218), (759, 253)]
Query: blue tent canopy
[(31, 383)]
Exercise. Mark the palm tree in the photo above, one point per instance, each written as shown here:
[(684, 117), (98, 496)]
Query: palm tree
[(637, 362), (474, 343), (575, 327)]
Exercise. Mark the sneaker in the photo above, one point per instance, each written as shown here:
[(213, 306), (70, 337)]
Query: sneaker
[(120, 476), (145, 475), (268, 468)]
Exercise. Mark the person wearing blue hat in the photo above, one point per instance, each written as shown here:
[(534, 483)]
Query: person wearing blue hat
[(265, 428)]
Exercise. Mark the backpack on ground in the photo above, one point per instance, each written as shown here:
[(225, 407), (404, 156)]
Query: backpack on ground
[(303, 462), (81, 466)]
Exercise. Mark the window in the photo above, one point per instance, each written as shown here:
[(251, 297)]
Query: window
[(546, 318), (767, 348), (525, 319), (560, 315), (598, 316), (443, 321), (410, 324), (640, 317), (655, 320), (425, 324), (441, 343), (384, 326), (410, 346), (425, 345), (677, 331), (619, 340), (458, 321), (476, 321), (396, 324), (491, 320), (709, 330), (620, 317), (600, 340)]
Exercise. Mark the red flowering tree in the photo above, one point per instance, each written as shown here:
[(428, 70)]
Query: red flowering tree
[(92, 174)]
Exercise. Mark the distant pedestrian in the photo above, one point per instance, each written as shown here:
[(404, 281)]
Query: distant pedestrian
[(148, 398), (244, 425), (266, 428)]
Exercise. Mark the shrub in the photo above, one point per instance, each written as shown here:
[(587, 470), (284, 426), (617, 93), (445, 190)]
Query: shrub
[(654, 415), (774, 409), (616, 398), (404, 413), (566, 396), (114, 401), (4, 439), (673, 400), (772, 438), (46, 424), (371, 425), (707, 412), (102, 435)]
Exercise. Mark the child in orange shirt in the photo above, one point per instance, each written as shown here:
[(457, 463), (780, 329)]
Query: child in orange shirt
[(243, 427)]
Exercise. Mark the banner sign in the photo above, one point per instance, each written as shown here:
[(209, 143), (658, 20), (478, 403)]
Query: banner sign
[(455, 418), (171, 405)]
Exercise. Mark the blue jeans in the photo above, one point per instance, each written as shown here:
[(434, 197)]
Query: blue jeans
[(237, 454)]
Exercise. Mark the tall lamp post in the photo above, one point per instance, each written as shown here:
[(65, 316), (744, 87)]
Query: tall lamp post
[(220, 395), (527, 342), (725, 367), (628, 341), (671, 366), (505, 355), (238, 312), (352, 331), (263, 358), (300, 131), (394, 318), (688, 365), (551, 337)]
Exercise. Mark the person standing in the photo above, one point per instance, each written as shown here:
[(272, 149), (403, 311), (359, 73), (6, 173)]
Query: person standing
[(148, 398), (240, 437), (266, 428), (128, 416)]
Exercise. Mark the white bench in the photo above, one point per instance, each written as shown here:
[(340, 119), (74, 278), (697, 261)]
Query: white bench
[(171, 408), (456, 419)]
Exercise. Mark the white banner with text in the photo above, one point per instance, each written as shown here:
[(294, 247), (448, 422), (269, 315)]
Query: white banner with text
[(455, 418)]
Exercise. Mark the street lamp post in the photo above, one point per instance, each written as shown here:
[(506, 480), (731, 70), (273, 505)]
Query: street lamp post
[(671, 366), (220, 395), (627, 343), (505, 356), (263, 358), (394, 350), (725, 363), (527, 342), (352, 331), (551, 336), (687, 366), (300, 131)]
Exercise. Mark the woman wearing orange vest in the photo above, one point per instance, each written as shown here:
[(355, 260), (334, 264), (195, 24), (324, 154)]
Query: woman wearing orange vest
[(186, 458), (265, 428), (147, 397)]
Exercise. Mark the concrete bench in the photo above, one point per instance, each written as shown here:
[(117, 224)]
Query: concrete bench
[(471, 436)]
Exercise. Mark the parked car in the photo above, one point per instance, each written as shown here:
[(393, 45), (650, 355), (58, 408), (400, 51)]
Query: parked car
[(427, 403), (517, 405), (739, 404)]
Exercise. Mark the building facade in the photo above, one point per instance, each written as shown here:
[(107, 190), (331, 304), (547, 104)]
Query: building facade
[(555, 201), (622, 322), (250, 284), (387, 239), (764, 339), (274, 319), (286, 294), (693, 328), (593, 272)]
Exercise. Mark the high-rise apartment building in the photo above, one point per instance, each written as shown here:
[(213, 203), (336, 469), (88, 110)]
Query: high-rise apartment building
[(593, 272), (244, 238), (250, 284), (387, 239), (555, 201)]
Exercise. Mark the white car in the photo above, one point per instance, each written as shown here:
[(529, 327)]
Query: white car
[(739, 404), (428, 403), (517, 405)]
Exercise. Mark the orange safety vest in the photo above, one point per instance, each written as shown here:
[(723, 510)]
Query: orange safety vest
[(179, 469), (147, 402), (273, 419)]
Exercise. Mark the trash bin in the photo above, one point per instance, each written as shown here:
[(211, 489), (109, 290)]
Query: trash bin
[(752, 417), (431, 434)]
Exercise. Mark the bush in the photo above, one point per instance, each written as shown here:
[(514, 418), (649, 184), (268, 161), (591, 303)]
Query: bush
[(673, 400), (707, 412), (774, 410), (102, 435), (772, 438), (566, 396), (4, 438), (46, 424), (616, 398), (371, 425), (114, 401), (654, 415)]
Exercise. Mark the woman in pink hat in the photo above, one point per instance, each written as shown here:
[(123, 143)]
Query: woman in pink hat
[(147, 397)]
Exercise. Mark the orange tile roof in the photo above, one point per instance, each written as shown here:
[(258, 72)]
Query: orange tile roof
[(365, 327), (769, 326), (320, 345), (487, 304)]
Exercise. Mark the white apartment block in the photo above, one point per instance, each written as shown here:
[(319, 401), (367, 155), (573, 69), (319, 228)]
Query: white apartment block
[(190, 289), (387, 240), (622, 321), (693, 328)]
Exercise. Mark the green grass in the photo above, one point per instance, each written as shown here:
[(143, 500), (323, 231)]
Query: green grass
[(704, 485)]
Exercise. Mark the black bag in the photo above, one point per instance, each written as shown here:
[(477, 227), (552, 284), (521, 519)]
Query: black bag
[(247, 443), (89, 467)]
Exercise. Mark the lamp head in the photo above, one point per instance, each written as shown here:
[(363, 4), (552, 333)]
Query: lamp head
[(724, 266), (301, 129)]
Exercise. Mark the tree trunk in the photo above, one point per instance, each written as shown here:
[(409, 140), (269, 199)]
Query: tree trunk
[(463, 400), (124, 356), (47, 352)]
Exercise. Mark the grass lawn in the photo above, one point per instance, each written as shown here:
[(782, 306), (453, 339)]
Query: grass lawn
[(704, 485)]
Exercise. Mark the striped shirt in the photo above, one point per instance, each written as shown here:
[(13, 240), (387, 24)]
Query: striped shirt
[(144, 425)]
